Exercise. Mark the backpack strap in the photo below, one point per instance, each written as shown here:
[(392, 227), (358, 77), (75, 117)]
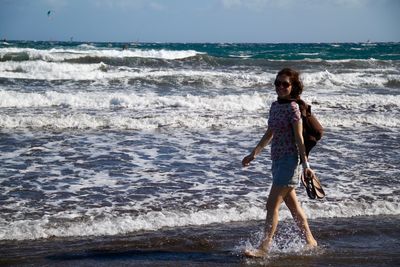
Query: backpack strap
[(312, 129)]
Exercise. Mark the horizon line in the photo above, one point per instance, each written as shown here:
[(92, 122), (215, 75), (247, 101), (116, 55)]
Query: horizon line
[(195, 42)]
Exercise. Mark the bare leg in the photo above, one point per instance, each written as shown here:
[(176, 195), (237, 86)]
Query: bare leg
[(300, 217), (275, 199)]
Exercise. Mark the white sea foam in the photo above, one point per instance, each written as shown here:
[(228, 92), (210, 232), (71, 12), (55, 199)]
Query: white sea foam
[(104, 74), (132, 111), (351, 79), (85, 121), (87, 46), (42, 70), (225, 102), (308, 54), (58, 54), (100, 101), (108, 224), (101, 72)]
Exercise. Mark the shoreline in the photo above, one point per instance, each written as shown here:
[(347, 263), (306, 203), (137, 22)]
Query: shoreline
[(357, 241)]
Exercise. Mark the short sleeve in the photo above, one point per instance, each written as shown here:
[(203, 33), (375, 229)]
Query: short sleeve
[(295, 114), (269, 121)]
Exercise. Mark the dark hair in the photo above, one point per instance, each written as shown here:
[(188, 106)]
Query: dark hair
[(294, 77)]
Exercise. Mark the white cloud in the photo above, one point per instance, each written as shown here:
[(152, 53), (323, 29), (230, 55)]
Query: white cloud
[(262, 4), (231, 3), (349, 3), (56, 3), (129, 4), (258, 4), (156, 6)]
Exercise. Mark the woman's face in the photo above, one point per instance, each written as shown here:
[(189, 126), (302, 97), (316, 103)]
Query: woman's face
[(283, 86)]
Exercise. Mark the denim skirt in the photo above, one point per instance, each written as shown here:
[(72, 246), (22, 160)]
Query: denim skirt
[(286, 171)]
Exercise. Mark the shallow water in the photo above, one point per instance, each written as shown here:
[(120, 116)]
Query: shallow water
[(358, 241)]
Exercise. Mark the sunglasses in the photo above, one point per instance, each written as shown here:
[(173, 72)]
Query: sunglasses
[(285, 84)]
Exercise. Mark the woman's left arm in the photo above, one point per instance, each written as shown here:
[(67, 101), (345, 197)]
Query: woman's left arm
[(298, 135)]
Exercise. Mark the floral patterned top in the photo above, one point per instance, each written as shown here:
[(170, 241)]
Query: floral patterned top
[(281, 117)]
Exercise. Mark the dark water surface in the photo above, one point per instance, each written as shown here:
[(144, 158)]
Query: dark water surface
[(359, 241)]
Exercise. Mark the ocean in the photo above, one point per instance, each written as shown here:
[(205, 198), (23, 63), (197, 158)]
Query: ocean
[(129, 154)]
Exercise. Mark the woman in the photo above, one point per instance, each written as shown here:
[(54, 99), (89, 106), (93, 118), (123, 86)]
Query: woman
[(285, 132)]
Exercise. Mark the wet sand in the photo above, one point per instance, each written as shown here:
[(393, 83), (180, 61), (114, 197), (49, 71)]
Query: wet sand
[(359, 241)]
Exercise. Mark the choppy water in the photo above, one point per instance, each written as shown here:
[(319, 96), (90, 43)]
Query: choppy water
[(100, 141)]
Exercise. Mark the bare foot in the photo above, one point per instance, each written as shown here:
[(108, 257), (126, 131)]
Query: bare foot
[(311, 245), (255, 253)]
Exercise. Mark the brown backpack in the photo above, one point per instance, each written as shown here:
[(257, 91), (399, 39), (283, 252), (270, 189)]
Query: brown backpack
[(312, 129)]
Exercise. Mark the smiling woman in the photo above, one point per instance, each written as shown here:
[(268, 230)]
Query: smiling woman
[(285, 133)]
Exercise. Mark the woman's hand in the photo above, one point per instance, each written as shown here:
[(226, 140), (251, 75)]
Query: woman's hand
[(308, 172), (246, 161), (265, 140)]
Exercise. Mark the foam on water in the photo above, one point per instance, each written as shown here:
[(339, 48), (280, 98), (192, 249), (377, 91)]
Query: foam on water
[(105, 223), (162, 148), (115, 183), (218, 78), (226, 102), (175, 120), (102, 73), (101, 101), (58, 54), (351, 79), (132, 111)]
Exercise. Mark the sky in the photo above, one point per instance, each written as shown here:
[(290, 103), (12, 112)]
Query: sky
[(230, 21)]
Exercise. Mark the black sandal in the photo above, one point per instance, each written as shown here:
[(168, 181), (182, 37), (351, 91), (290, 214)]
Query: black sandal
[(320, 193), (313, 186)]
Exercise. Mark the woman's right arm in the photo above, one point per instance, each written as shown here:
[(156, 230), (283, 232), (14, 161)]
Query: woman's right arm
[(265, 140)]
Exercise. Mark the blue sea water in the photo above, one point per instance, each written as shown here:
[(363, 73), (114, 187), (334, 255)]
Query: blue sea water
[(107, 140)]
